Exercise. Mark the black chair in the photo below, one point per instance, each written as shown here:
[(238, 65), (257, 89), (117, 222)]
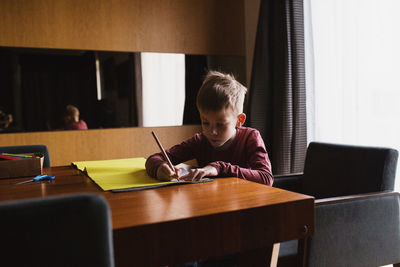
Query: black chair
[(333, 170), (70, 230), (29, 149), (361, 230)]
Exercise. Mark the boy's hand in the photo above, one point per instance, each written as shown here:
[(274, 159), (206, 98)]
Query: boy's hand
[(164, 173), (197, 174)]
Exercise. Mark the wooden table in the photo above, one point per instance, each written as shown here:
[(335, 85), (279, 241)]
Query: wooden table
[(176, 224)]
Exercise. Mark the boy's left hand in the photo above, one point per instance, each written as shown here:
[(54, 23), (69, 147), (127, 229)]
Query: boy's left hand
[(197, 174)]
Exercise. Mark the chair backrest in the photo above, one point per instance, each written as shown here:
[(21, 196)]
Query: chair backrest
[(29, 149), (332, 170), (69, 230), (362, 231)]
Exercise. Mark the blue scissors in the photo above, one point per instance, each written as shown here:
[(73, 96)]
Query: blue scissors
[(38, 179)]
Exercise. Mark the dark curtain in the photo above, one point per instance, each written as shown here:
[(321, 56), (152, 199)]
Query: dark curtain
[(195, 71), (136, 98), (119, 104), (37, 84), (50, 82), (7, 70), (277, 97)]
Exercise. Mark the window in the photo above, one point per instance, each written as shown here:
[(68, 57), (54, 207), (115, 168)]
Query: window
[(163, 93), (352, 59)]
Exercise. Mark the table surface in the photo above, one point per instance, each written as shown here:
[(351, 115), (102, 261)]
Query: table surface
[(178, 223)]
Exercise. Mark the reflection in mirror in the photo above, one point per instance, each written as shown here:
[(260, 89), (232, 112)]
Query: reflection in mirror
[(111, 89)]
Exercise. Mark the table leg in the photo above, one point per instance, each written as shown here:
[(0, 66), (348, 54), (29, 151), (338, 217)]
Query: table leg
[(266, 257), (302, 251)]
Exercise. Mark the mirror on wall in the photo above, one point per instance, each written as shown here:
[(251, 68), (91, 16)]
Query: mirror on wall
[(108, 87)]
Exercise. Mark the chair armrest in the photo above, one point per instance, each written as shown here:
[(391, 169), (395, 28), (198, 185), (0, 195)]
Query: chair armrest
[(358, 230), (291, 182), (336, 200)]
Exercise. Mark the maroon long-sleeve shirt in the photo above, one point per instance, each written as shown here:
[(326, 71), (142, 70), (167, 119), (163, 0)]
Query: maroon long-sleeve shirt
[(245, 158)]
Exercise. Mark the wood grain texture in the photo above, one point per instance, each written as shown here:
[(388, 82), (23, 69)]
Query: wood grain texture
[(68, 146), (174, 26), (176, 224)]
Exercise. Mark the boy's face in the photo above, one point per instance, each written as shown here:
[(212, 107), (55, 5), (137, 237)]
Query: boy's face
[(219, 126)]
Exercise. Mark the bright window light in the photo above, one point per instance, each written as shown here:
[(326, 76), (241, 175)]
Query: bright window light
[(163, 92), (355, 59)]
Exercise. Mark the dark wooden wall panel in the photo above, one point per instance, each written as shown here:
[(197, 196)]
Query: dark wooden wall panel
[(182, 26)]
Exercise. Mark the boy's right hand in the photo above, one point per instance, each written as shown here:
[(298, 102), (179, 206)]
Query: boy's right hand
[(164, 172)]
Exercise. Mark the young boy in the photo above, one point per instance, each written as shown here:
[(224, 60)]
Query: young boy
[(71, 119), (224, 148), (5, 120)]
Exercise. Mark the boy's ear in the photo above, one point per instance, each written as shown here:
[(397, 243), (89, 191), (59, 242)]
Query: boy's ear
[(241, 119)]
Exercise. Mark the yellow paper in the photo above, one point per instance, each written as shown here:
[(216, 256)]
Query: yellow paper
[(119, 173)]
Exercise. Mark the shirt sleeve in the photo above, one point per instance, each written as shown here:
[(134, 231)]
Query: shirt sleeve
[(83, 125), (259, 166), (152, 164)]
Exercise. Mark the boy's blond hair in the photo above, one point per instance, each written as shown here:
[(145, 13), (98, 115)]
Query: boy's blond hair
[(220, 91), (71, 110)]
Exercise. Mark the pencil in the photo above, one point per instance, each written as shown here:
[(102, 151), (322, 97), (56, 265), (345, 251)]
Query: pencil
[(17, 155), (163, 152)]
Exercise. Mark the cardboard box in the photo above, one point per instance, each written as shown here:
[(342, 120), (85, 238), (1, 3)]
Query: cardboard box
[(21, 168)]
